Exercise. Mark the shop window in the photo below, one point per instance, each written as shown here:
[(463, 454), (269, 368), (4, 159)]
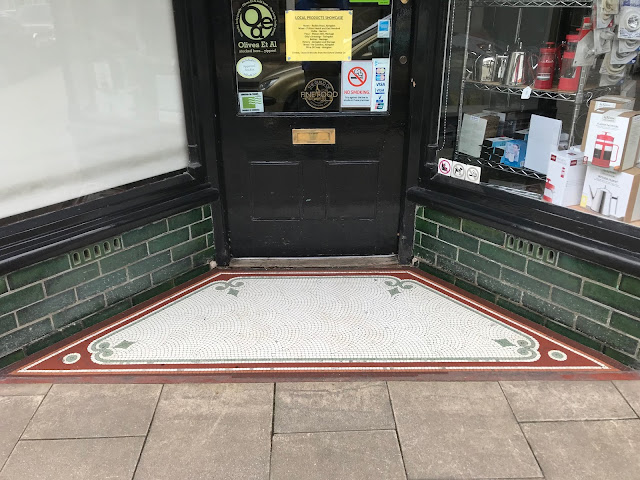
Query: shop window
[(539, 100), (90, 100)]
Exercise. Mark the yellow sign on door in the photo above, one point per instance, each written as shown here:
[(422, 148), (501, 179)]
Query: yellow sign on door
[(318, 36)]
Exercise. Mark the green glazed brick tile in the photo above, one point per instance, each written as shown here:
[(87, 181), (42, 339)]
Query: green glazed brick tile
[(416, 238), (169, 240), (459, 239), (149, 264), (621, 357), (191, 275), (171, 271), (144, 296), (482, 231), (442, 218), (420, 212), (210, 240), (143, 234), (479, 263), (46, 307), (78, 311), (628, 325), (580, 305), (188, 248), (11, 358), (475, 290), (456, 269), (523, 312), (107, 313), (21, 298), (128, 290), (496, 286), (72, 278), (201, 228), (606, 335), (424, 254), (7, 323), (575, 336), (426, 227), (38, 272), (204, 257), (27, 334), (101, 284), (71, 329), (613, 298), (207, 210), (447, 277), (587, 269), (502, 256), (525, 282), (44, 342), (186, 218), (124, 258), (3, 285), (437, 246), (554, 276), (548, 309), (630, 285)]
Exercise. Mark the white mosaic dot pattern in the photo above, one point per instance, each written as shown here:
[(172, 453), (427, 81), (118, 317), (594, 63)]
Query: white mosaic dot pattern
[(291, 319)]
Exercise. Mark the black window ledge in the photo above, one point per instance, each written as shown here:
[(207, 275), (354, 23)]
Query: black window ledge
[(585, 236), (35, 239)]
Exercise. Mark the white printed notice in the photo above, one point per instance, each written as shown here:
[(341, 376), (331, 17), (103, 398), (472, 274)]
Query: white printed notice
[(356, 84), (380, 84)]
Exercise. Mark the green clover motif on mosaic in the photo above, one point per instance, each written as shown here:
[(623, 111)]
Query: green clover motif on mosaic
[(101, 351), (231, 287), (397, 286), (528, 348)]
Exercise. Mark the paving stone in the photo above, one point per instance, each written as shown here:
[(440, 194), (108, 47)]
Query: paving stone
[(81, 459), (631, 391), (73, 411), (15, 413), (534, 401), (325, 406), (459, 430), (339, 455), (24, 389), (210, 431), (586, 450)]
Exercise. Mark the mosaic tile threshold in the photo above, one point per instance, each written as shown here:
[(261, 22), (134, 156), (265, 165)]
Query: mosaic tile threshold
[(323, 321)]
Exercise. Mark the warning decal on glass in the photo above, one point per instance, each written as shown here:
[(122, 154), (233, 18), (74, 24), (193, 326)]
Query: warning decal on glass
[(356, 84)]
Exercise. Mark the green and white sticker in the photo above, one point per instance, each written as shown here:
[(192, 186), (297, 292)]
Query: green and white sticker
[(251, 102), (249, 67)]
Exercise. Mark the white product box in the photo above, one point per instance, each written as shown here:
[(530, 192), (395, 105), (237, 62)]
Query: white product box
[(475, 128), (565, 178), (613, 194), (544, 137), (610, 102), (612, 138)]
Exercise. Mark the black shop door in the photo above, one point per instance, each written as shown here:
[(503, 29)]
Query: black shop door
[(313, 99)]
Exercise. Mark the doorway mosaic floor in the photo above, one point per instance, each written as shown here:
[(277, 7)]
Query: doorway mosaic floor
[(313, 321)]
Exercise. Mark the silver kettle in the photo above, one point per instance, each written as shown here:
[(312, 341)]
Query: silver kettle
[(520, 69), (603, 202), (483, 67)]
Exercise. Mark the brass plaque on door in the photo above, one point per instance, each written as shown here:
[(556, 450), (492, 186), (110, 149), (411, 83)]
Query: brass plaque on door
[(314, 136)]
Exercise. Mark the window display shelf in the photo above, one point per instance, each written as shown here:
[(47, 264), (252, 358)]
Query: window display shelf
[(532, 3), (552, 94), (524, 172)]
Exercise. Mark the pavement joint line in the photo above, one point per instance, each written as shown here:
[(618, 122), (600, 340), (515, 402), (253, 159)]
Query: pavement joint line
[(273, 427), (573, 420), (627, 401), (146, 436), (24, 429), (339, 431), (521, 430), (79, 438), (395, 424)]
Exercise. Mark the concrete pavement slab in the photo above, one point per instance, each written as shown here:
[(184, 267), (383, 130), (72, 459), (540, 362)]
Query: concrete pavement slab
[(339, 455), (546, 401), (83, 411), (631, 392), (15, 413), (589, 450), (211, 431), (81, 459), (459, 430), (326, 406), (9, 389)]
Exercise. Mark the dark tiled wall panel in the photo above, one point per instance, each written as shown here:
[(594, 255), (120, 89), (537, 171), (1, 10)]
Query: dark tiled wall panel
[(592, 304), (44, 303)]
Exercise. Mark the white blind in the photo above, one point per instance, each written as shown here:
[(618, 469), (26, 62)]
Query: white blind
[(89, 99)]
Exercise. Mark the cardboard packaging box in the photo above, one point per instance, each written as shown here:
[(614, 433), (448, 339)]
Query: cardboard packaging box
[(612, 138), (609, 102), (613, 194), (475, 128), (565, 178), (544, 137), (515, 152)]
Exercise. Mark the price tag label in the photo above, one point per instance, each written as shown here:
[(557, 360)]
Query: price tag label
[(526, 93)]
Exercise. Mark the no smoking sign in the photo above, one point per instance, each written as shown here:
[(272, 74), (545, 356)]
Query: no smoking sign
[(357, 76), (356, 84)]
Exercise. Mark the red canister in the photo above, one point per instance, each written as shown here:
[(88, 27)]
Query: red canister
[(546, 67)]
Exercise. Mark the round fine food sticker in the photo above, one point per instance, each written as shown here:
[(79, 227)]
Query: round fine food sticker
[(249, 67)]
